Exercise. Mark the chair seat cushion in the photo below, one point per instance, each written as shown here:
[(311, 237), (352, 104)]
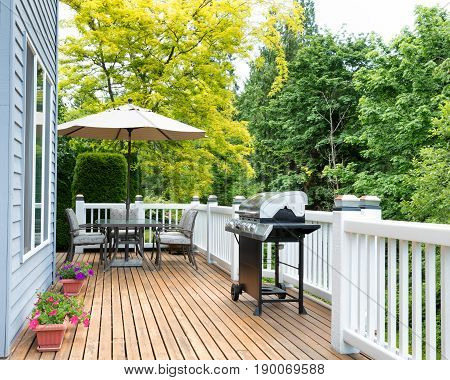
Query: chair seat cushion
[(173, 237), (89, 238)]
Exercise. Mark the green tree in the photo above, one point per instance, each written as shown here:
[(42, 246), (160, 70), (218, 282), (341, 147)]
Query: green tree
[(402, 91), (300, 133), (430, 176), (176, 58)]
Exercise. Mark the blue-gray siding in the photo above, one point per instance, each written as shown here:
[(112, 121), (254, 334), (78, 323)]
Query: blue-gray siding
[(36, 19), (5, 78)]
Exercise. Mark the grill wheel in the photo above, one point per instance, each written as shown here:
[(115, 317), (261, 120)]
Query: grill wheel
[(281, 296), (235, 292)]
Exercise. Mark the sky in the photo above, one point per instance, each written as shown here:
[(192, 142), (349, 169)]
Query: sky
[(385, 17)]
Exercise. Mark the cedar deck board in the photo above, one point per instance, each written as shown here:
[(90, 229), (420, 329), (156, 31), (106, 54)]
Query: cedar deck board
[(180, 313)]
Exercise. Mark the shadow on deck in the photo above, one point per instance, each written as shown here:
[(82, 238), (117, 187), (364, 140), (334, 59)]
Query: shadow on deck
[(180, 313)]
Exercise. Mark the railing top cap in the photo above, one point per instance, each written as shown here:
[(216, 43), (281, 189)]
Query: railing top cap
[(370, 198), (347, 197), (79, 197), (238, 199), (346, 201), (370, 201), (212, 198)]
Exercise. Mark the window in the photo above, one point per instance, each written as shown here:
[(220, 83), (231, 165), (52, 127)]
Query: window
[(38, 110)]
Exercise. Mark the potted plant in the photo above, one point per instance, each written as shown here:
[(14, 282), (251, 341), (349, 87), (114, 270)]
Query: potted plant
[(50, 318), (73, 275)]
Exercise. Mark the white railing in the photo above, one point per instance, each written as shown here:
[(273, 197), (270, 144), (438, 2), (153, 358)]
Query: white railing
[(378, 300), (221, 247), (379, 276)]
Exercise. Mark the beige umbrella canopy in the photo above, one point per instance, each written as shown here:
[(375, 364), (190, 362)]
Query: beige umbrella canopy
[(116, 123), (129, 122)]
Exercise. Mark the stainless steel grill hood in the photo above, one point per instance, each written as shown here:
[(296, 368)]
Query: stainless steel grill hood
[(264, 206)]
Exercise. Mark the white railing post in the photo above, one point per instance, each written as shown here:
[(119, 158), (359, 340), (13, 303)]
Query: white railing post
[(80, 211), (212, 201), (139, 203), (345, 207), (370, 207), (195, 200), (235, 249)]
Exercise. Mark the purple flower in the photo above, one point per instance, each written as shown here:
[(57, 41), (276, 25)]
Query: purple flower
[(90, 272), (80, 276)]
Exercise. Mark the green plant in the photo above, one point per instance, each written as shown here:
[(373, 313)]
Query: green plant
[(66, 165), (100, 177), (75, 271), (54, 308)]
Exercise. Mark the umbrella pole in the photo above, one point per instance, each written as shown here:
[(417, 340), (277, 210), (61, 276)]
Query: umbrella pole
[(129, 174)]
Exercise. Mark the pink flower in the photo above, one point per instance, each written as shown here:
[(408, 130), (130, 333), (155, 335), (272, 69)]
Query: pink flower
[(37, 314), (33, 324), (50, 299), (74, 320), (56, 302), (86, 322), (53, 312)]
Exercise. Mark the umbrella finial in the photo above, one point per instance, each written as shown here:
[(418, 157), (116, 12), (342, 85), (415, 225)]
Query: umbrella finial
[(130, 100)]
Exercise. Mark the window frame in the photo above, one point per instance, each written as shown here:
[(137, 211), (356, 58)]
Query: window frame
[(46, 161)]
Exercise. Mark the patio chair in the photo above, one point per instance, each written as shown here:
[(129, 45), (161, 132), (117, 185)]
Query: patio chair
[(180, 235), (171, 228), (80, 237)]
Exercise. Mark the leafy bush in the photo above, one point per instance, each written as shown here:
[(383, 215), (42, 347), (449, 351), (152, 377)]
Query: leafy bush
[(66, 166), (100, 177)]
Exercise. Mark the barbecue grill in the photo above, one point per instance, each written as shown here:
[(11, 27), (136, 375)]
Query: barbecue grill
[(269, 217)]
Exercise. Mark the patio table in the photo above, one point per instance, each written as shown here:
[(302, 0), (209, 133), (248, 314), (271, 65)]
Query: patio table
[(134, 234)]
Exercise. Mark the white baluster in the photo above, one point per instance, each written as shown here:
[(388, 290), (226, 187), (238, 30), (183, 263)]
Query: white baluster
[(392, 294), (416, 300), (403, 298), (381, 291), (430, 301)]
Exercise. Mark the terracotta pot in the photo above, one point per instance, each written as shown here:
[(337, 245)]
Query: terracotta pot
[(50, 337), (72, 287)]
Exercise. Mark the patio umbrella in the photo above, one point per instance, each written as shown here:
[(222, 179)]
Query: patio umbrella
[(129, 122)]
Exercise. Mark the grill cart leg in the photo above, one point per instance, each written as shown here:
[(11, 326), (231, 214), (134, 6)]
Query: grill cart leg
[(277, 271), (301, 308), (277, 264)]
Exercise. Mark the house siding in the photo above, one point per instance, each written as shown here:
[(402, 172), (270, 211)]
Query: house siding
[(5, 116), (37, 21)]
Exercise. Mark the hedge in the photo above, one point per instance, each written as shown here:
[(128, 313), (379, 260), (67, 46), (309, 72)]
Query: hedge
[(66, 165), (100, 177)]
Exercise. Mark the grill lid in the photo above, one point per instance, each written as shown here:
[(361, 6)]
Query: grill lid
[(266, 205)]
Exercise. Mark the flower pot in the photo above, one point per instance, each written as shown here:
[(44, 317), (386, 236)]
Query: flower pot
[(72, 287), (50, 337)]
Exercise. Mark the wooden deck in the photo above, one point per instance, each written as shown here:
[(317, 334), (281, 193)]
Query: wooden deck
[(180, 313)]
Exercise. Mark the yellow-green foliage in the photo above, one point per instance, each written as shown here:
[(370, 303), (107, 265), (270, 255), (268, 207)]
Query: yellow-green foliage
[(176, 58)]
